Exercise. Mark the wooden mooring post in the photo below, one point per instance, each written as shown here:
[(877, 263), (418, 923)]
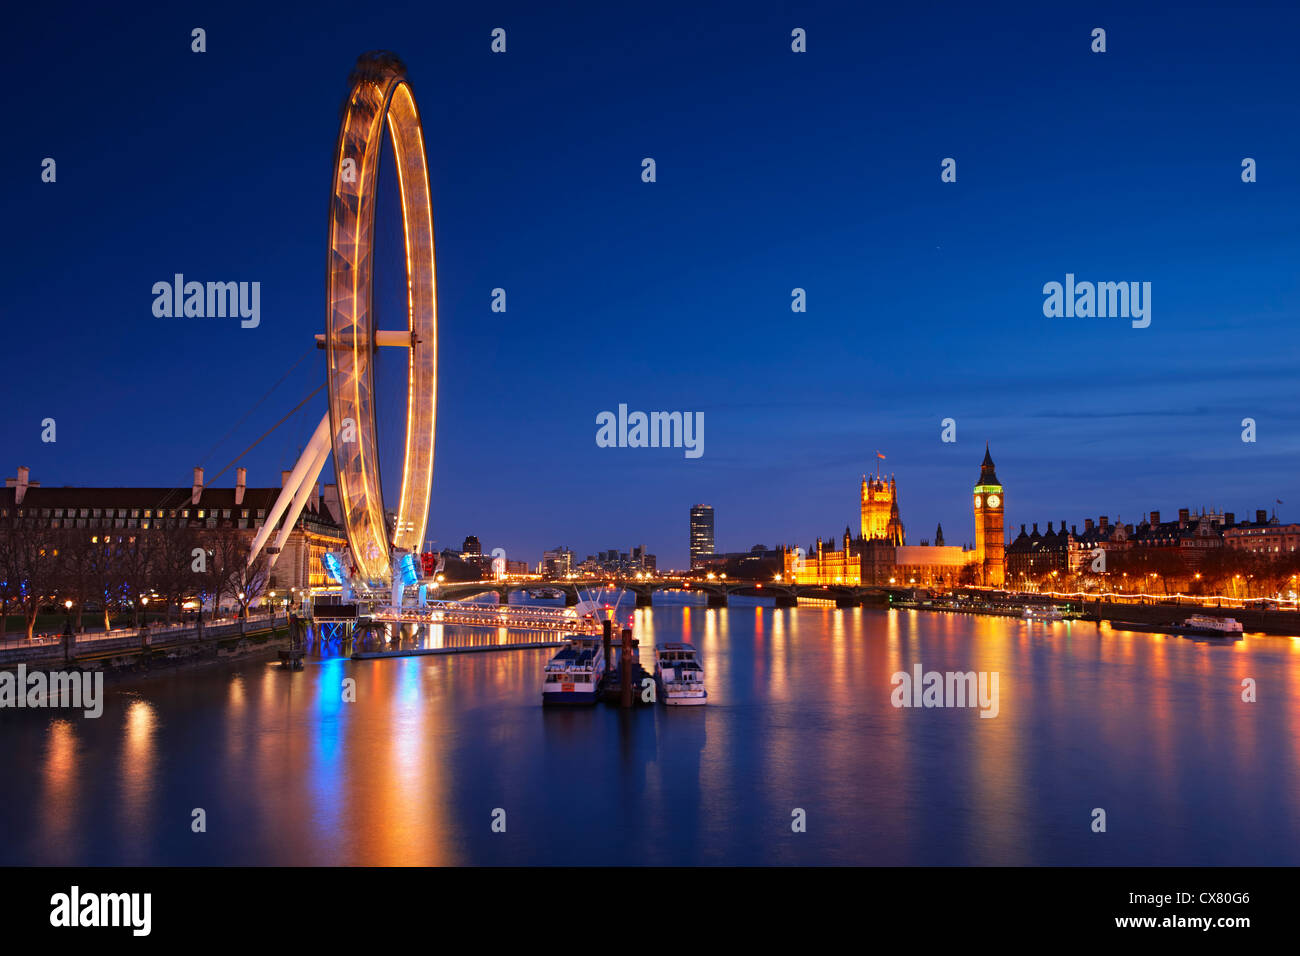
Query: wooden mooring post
[(627, 667)]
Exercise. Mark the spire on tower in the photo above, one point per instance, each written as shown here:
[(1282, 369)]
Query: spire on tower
[(987, 474)]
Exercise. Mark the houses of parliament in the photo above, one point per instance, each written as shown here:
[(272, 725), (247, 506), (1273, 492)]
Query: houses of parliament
[(880, 555)]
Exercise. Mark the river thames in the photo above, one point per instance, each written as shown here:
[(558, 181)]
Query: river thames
[(1151, 729)]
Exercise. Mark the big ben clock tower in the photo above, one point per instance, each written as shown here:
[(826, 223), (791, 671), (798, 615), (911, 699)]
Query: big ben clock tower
[(989, 540)]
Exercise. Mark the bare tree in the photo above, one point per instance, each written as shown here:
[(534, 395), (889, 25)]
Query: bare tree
[(105, 572), (33, 566), (133, 564), (78, 570), (226, 553), (178, 563), (9, 582), (240, 580)]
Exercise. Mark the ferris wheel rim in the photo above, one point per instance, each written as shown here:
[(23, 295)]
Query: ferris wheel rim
[(380, 97)]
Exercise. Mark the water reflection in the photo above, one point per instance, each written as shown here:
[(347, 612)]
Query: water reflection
[(407, 764), (59, 779), (137, 764)]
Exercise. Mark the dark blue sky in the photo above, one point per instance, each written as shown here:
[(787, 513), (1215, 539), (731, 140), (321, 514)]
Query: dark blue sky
[(775, 170)]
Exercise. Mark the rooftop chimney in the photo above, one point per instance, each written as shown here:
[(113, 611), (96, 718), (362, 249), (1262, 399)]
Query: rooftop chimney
[(197, 490), (1155, 518), (332, 503), (1104, 522), (1183, 515), (1087, 524), (1261, 516), (1229, 519), (1035, 527), (241, 484), (21, 484)]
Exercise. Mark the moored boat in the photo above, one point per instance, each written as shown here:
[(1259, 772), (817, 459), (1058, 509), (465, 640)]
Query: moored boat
[(1198, 625), (574, 674), (1042, 613), (679, 674)]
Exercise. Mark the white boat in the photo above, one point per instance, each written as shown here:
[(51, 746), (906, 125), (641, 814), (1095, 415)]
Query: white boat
[(1034, 613), (1198, 625), (1211, 626), (574, 674), (679, 674)]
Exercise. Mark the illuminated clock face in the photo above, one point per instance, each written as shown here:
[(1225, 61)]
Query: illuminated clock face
[(994, 501), (977, 501)]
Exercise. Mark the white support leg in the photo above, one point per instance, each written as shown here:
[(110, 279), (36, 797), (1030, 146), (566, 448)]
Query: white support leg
[(299, 502), (319, 439)]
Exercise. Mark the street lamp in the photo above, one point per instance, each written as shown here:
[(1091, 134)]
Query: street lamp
[(67, 630)]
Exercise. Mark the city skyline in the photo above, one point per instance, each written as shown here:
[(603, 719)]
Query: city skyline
[(961, 533)]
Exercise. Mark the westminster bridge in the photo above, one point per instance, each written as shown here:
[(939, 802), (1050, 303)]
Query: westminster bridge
[(717, 593)]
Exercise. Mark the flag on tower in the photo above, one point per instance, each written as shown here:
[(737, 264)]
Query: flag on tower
[(879, 455)]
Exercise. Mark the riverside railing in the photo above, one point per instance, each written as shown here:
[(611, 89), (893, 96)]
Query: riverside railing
[(157, 635)]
